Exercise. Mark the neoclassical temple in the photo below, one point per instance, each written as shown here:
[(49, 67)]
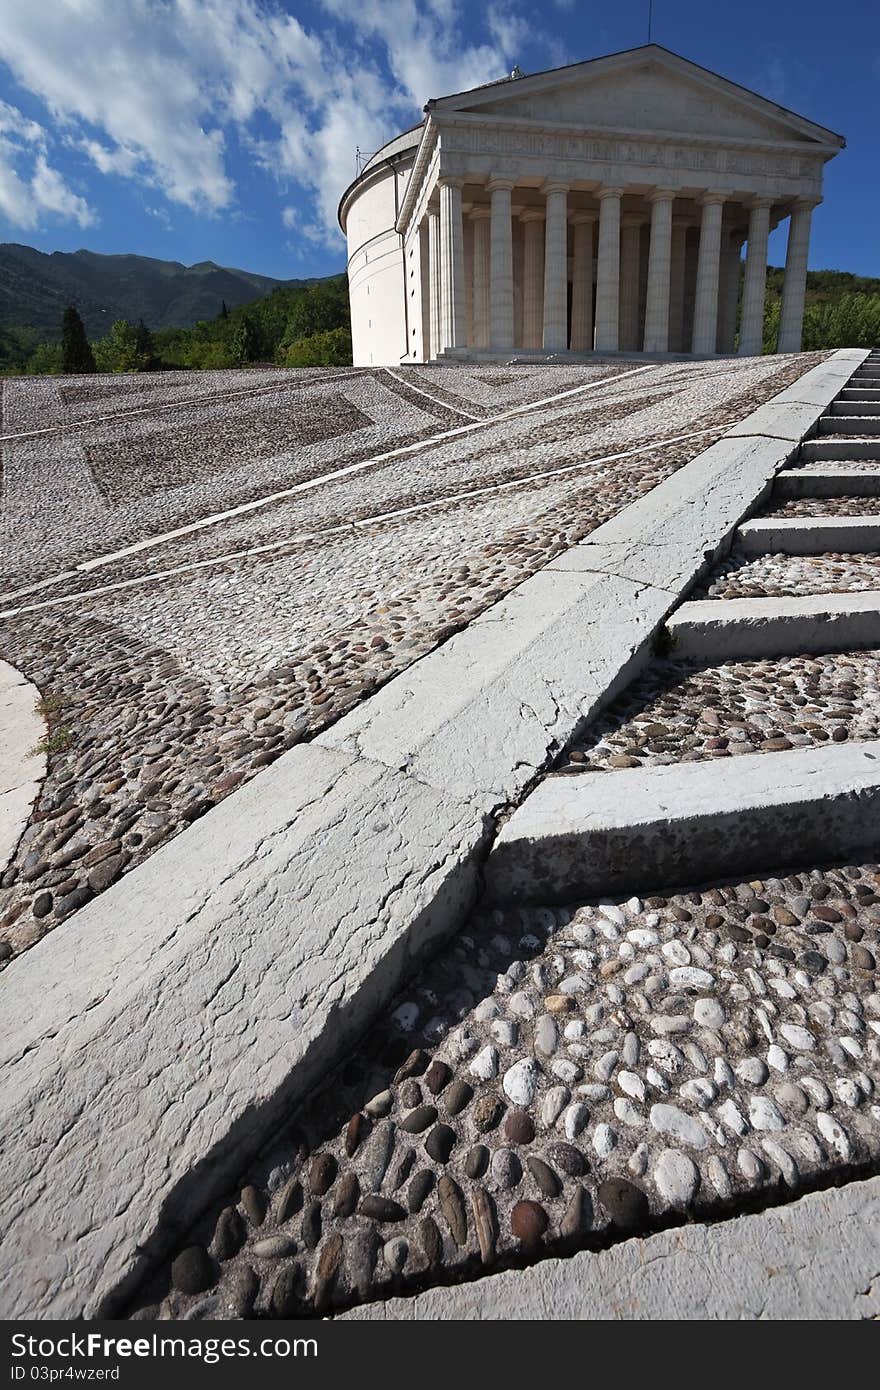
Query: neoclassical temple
[(599, 207)]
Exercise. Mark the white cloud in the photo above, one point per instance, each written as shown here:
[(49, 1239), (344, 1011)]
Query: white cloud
[(162, 91), (30, 188), (161, 215), (124, 72)]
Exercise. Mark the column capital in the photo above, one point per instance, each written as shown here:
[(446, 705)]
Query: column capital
[(804, 204), (449, 181), (603, 193), (532, 215), (480, 211), (500, 184), (759, 201), (583, 217), (657, 195), (554, 186), (713, 196)]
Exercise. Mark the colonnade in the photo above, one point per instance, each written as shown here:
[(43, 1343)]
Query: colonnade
[(610, 277)]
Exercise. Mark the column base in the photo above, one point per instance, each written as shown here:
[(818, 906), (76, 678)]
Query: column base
[(532, 356)]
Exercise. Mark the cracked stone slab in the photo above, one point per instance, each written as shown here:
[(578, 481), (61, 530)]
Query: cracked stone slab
[(813, 387), (687, 522), (482, 714), (817, 1258), (22, 763), (249, 952), (603, 833), (726, 630)]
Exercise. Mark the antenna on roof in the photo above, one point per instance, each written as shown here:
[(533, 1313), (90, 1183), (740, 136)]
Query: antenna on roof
[(650, 18)]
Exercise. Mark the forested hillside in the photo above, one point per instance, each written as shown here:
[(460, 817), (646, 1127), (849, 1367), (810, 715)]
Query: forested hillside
[(36, 288), (299, 325)]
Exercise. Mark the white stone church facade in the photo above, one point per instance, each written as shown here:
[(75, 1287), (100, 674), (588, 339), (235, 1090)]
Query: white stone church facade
[(599, 207)]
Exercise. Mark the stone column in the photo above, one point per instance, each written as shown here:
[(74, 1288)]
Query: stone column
[(794, 286), (453, 328), (480, 219), (501, 266), (708, 269), (751, 333), (556, 268), (533, 277), (659, 271), (582, 282), (730, 264), (434, 280), (678, 256), (630, 255), (608, 271)]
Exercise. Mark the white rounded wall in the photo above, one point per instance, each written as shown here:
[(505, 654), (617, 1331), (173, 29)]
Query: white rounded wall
[(376, 280)]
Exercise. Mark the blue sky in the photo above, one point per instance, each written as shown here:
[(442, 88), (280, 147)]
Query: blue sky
[(225, 130)]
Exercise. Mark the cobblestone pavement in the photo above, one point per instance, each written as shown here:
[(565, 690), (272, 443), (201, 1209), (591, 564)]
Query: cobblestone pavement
[(684, 712), (826, 506), (172, 674), (557, 1078), (787, 576)]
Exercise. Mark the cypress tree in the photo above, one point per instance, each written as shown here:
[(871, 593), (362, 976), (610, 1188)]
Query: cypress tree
[(76, 352), (145, 348)]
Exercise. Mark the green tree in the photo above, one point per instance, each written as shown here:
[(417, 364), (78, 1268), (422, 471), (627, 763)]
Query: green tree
[(330, 349), (245, 342), (45, 360), (322, 307), (771, 325), (76, 354), (145, 348), (118, 351)]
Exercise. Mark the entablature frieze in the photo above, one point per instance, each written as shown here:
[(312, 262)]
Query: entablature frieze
[(475, 150)]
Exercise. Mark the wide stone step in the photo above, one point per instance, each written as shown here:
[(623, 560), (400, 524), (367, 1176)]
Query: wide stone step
[(640, 828), (815, 480), (828, 450), (811, 535), (856, 424), (744, 628), (861, 407), (860, 393)]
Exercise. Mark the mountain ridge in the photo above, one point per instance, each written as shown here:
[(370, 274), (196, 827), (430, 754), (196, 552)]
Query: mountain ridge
[(36, 287)]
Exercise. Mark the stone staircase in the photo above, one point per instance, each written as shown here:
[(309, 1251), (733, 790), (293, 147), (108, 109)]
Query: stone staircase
[(841, 461), (799, 585)]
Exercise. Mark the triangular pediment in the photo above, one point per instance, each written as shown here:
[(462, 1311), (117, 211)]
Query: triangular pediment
[(646, 89)]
